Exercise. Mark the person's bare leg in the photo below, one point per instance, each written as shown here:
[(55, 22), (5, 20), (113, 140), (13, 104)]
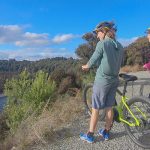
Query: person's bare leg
[(109, 118), (94, 119)]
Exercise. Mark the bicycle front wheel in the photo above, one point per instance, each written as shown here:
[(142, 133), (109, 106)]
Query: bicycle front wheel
[(87, 99), (140, 107)]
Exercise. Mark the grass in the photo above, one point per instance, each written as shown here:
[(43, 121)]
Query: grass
[(134, 68), (45, 128)]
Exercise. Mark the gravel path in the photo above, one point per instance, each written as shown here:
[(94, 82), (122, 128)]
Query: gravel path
[(68, 138)]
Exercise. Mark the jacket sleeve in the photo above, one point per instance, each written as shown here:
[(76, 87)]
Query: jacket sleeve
[(97, 55)]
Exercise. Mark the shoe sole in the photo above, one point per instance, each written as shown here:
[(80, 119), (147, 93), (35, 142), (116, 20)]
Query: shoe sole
[(103, 137), (86, 140)]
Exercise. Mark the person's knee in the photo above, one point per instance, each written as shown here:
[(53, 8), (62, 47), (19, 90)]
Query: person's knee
[(95, 111), (108, 109)]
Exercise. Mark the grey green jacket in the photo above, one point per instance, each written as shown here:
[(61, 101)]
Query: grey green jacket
[(109, 54)]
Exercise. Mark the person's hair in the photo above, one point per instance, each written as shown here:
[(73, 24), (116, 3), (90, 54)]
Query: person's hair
[(103, 29), (111, 34)]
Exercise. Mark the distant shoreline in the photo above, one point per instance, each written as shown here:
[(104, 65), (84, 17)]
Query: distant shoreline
[(2, 95), (3, 100)]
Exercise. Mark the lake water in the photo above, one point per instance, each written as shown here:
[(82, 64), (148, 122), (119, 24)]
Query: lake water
[(2, 102)]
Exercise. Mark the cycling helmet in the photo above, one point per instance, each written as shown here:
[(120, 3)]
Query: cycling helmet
[(105, 26)]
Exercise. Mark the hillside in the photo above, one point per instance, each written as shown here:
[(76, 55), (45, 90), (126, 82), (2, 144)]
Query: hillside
[(138, 52)]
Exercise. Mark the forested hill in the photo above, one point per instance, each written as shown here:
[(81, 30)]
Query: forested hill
[(59, 68), (138, 52), (49, 64)]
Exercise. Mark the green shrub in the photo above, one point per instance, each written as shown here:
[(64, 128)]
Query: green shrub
[(88, 77), (65, 84), (25, 95)]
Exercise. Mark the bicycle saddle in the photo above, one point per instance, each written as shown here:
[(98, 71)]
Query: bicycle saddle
[(127, 77)]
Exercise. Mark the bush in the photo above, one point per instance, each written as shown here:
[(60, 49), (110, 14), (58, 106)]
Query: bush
[(3, 127), (57, 75), (25, 95), (88, 77), (65, 84)]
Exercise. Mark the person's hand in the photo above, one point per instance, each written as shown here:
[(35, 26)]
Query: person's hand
[(85, 67)]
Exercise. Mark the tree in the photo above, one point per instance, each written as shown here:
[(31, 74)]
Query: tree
[(138, 52), (85, 50)]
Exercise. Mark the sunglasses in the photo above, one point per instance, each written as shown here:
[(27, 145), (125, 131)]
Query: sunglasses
[(96, 31)]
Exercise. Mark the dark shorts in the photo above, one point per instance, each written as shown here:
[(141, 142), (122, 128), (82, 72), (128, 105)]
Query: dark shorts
[(104, 95)]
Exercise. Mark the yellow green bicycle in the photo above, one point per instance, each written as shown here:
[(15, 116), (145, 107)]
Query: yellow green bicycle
[(134, 113)]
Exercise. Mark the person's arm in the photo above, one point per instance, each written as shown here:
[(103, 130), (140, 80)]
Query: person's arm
[(97, 55)]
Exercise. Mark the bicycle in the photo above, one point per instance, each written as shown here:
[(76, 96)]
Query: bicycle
[(134, 113)]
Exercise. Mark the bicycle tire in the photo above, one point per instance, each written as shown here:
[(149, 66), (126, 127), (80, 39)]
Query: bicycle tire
[(143, 124), (88, 106)]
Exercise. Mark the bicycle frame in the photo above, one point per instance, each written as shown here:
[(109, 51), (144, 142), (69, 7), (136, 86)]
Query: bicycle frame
[(119, 107)]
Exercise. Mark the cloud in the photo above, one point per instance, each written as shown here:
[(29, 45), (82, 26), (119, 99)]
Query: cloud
[(63, 38), (10, 33), (33, 39), (31, 45), (33, 54), (126, 42), (16, 35)]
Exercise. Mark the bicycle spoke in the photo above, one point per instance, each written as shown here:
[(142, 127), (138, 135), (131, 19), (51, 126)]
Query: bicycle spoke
[(141, 133)]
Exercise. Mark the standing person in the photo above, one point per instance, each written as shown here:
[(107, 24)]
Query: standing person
[(147, 65), (109, 53)]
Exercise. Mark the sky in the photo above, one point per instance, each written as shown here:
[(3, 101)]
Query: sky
[(38, 29)]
